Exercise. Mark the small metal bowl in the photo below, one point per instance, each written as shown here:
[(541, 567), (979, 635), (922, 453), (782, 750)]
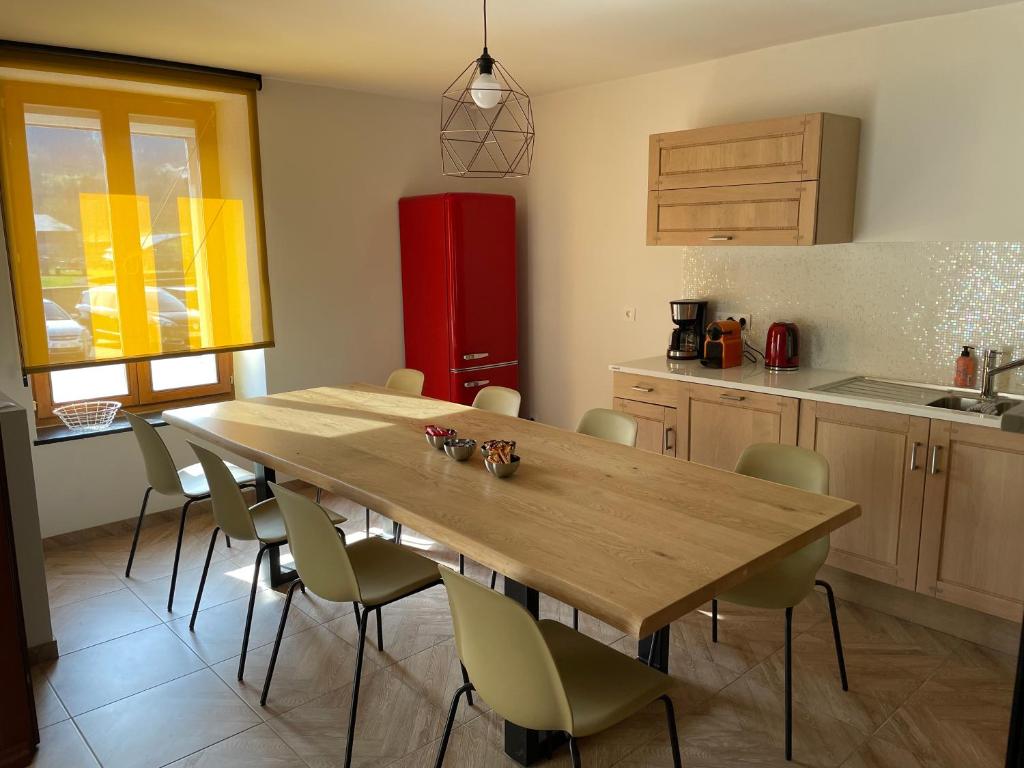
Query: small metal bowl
[(438, 440), (502, 470), (458, 448)]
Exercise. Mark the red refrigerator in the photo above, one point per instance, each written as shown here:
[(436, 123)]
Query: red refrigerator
[(459, 292)]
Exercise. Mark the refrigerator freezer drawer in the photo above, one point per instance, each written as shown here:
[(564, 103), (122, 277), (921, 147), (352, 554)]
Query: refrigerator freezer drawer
[(465, 384)]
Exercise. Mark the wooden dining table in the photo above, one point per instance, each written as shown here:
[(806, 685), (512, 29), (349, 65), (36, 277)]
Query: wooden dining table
[(632, 538)]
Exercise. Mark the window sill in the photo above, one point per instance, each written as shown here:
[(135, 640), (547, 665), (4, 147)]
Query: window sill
[(61, 434)]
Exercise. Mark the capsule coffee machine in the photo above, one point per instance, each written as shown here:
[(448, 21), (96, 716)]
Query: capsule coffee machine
[(688, 335)]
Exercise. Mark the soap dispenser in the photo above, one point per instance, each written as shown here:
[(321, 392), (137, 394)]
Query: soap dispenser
[(965, 369)]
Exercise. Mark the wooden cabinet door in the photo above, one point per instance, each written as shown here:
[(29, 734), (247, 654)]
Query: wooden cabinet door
[(765, 151), (878, 460), (720, 423), (756, 214), (656, 425), (972, 534)]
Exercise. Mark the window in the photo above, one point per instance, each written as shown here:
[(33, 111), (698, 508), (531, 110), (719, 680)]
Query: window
[(134, 220), (140, 387)]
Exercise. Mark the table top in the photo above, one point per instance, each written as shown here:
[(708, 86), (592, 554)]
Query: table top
[(633, 538)]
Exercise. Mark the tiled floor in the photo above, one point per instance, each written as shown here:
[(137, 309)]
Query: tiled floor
[(135, 688)]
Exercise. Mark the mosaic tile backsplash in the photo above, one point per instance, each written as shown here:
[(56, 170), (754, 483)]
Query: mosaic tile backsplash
[(899, 310)]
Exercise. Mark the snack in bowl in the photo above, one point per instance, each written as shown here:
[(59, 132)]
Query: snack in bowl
[(437, 435), (459, 449), (499, 451), (503, 469)]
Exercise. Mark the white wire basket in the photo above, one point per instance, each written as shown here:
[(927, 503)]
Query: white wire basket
[(88, 416)]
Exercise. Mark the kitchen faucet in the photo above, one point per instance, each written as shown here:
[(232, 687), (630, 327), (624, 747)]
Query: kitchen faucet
[(990, 370)]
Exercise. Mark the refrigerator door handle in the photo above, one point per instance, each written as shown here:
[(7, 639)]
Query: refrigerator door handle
[(475, 355), (478, 383)]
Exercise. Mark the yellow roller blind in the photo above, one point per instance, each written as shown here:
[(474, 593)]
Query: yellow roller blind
[(133, 216)]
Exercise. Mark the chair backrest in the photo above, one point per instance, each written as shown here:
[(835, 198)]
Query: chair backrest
[(506, 656), (614, 426), (407, 380), (786, 465), (230, 510), (161, 473), (319, 551), (498, 400)]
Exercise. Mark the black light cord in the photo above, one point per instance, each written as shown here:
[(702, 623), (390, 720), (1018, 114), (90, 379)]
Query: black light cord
[(485, 24)]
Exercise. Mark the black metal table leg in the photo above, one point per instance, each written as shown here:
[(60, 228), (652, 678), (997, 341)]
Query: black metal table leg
[(279, 574), (524, 746), (653, 650)]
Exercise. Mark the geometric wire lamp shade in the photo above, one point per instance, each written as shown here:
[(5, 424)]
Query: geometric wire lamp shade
[(486, 143)]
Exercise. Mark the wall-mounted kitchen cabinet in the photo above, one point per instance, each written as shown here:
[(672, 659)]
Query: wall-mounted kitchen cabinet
[(788, 181)]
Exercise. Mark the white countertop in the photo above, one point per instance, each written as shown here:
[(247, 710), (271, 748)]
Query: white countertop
[(753, 377)]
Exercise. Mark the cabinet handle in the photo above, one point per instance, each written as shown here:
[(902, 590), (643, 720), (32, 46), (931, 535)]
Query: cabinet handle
[(734, 398), (720, 238), (475, 355), (642, 388), (934, 469), (668, 432), (913, 456), (478, 383)]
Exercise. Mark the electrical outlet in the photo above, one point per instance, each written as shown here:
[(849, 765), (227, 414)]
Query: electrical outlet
[(744, 318), (629, 314)]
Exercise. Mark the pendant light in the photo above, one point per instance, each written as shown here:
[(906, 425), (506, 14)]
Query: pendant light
[(486, 122)]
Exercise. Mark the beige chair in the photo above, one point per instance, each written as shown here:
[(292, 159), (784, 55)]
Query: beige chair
[(498, 400), (784, 585), (407, 380), (372, 573), (164, 477), (543, 675), (262, 523)]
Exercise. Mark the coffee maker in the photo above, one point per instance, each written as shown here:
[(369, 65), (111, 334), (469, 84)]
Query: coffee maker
[(688, 335)]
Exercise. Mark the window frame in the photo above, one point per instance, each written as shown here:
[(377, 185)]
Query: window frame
[(141, 397)]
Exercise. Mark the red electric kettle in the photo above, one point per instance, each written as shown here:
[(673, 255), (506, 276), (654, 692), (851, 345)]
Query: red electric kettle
[(782, 349)]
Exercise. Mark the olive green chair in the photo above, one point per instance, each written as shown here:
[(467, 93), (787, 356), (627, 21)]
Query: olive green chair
[(784, 585), (543, 675), (164, 477), (498, 400), (372, 572), (406, 380), (233, 516)]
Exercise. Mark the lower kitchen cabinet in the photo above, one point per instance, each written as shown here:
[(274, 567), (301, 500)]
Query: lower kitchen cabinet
[(972, 536), (878, 460), (716, 423), (656, 425)]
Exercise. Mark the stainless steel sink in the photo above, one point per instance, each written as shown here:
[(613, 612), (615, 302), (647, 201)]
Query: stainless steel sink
[(974, 405)]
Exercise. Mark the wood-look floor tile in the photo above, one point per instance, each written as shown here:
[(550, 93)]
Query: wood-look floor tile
[(435, 674), (226, 581), (559, 611), (316, 608), (310, 664), (257, 747), (411, 624), (73, 575), (62, 746), (960, 716), (98, 619), (218, 632), (49, 709), (877, 753), (166, 723), (104, 673), (392, 721)]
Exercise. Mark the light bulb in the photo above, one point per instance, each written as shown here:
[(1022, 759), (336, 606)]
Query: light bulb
[(485, 90)]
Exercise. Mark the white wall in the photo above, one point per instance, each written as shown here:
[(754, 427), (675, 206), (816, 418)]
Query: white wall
[(942, 155), (334, 165)]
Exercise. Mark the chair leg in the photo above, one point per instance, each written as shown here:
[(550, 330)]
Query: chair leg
[(789, 683), (465, 681), (319, 494), (367, 522), (361, 643), (576, 619), (138, 528), (714, 621), (398, 533), (380, 632), (452, 710), (227, 541), (177, 554), (355, 607), (574, 752), (277, 641), (462, 564), (248, 615), (494, 578), (673, 734), (835, 631), (202, 579)]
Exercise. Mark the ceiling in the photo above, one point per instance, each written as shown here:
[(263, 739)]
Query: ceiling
[(416, 47)]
